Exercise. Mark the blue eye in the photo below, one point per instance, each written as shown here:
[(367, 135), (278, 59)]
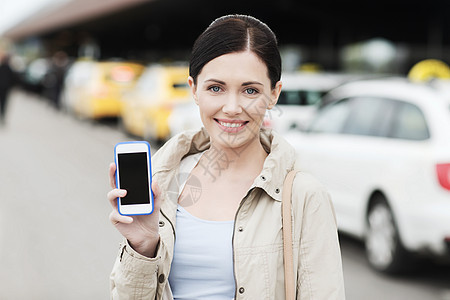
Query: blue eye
[(251, 91), (215, 89)]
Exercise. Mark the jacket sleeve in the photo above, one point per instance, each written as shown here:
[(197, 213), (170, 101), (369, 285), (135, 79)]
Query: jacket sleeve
[(320, 275), (135, 276)]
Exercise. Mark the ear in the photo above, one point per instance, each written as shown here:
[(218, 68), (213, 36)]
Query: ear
[(274, 94), (193, 88)]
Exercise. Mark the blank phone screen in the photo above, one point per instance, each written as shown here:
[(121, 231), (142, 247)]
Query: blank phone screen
[(133, 177)]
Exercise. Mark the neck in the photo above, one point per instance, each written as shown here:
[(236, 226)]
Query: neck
[(245, 161)]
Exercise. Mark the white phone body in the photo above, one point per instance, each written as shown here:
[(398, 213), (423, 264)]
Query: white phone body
[(133, 173)]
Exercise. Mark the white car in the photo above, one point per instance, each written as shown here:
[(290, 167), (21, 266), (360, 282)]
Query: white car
[(382, 147), (77, 78), (184, 116), (300, 97)]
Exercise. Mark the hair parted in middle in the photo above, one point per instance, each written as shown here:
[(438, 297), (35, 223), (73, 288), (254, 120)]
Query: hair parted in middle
[(236, 33)]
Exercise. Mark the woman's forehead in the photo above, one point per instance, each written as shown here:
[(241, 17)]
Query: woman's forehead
[(236, 66)]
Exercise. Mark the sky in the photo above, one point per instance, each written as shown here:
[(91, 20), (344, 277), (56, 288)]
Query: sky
[(12, 12)]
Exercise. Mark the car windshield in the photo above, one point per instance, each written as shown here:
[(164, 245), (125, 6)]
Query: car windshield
[(304, 97), (149, 81), (410, 123), (332, 118), (180, 85)]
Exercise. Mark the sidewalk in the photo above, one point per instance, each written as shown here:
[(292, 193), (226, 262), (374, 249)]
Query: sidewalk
[(57, 242)]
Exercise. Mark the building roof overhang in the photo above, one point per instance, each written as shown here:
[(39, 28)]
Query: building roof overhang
[(65, 14)]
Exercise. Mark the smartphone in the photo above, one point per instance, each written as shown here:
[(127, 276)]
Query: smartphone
[(133, 173)]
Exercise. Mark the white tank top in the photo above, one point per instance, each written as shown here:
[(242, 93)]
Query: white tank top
[(202, 266)]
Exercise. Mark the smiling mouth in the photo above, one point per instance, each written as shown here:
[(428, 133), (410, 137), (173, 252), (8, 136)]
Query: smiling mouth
[(233, 124)]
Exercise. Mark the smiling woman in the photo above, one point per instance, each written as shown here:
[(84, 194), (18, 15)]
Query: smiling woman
[(233, 93), (219, 190)]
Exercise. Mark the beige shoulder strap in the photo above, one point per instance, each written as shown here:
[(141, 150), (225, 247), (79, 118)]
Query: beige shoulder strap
[(289, 282)]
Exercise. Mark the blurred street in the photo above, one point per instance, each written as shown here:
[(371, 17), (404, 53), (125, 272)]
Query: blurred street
[(57, 242)]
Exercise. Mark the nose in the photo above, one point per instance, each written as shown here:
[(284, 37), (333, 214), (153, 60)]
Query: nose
[(232, 106)]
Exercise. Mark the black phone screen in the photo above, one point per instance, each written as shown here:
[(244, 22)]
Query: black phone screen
[(133, 177)]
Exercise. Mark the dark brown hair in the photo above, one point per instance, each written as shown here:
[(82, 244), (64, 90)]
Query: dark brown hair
[(236, 33)]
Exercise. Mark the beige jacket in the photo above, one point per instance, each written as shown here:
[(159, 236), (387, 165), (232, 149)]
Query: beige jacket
[(257, 238)]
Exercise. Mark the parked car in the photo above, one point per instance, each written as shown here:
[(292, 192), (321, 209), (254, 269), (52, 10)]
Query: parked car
[(382, 147), (184, 116), (33, 77), (93, 89), (146, 109), (300, 97)]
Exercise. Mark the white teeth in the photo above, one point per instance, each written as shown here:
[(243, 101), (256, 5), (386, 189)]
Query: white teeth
[(231, 125)]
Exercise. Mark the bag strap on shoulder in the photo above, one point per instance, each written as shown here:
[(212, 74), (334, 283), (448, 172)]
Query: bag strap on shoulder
[(289, 282)]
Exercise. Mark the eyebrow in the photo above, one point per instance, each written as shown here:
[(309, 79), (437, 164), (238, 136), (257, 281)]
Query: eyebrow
[(243, 84), (215, 80), (252, 82)]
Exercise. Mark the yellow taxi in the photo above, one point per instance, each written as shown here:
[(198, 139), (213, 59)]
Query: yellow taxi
[(94, 89), (146, 109)]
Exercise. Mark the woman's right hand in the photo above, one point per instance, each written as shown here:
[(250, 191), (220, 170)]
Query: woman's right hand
[(142, 232)]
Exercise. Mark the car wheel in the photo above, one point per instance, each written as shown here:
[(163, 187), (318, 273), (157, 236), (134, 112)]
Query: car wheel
[(384, 250)]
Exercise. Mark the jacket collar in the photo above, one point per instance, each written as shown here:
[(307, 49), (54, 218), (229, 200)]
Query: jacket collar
[(278, 163)]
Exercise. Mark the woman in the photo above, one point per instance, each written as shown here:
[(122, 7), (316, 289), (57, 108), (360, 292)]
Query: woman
[(219, 190)]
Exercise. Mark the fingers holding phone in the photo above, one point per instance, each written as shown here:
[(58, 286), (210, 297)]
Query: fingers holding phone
[(115, 217), (134, 212)]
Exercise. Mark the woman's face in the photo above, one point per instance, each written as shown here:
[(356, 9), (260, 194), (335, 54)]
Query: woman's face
[(233, 92)]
